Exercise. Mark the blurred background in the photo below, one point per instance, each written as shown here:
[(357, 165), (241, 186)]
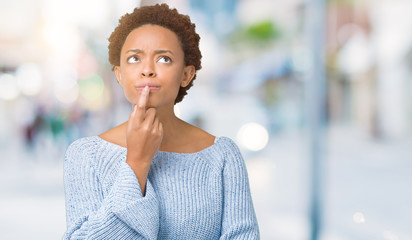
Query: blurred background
[(339, 165)]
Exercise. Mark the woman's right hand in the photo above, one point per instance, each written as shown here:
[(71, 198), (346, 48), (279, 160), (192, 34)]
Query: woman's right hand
[(144, 135)]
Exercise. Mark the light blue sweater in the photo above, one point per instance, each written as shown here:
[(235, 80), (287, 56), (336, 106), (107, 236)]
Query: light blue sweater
[(202, 195)]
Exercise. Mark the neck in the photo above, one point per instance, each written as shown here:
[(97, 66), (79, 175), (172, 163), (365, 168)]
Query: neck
[(172, 125)]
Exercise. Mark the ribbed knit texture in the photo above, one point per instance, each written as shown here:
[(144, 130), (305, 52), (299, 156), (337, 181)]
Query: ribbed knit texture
[(202, 195)]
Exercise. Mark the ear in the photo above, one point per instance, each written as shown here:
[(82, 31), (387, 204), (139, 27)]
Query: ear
[(116, 70), (188, 74)]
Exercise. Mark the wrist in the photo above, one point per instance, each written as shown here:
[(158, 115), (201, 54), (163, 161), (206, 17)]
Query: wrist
[(137, 161)]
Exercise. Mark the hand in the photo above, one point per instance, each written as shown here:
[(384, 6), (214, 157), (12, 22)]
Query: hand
[(144, 133)]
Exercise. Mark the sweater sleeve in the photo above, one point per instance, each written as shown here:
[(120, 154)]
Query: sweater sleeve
[(123, 214), (239, 219)]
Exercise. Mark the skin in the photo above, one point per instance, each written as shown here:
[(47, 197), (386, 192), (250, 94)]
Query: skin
[(151, 71)]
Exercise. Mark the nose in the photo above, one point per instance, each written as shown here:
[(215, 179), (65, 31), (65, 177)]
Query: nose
[(148, 71), (148, 74)]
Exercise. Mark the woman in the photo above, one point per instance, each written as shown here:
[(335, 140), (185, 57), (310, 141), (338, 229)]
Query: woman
[(156, 176)]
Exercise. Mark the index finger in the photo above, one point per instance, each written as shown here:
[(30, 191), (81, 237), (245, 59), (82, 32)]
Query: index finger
[(139, 109), (144, 97)]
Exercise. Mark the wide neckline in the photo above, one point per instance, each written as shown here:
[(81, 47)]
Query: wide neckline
[(165, 152)]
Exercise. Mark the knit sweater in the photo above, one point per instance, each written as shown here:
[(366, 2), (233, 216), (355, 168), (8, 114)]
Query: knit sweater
[(201, 195)]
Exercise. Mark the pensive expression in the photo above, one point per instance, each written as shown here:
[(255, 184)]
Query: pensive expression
[(152, 56)]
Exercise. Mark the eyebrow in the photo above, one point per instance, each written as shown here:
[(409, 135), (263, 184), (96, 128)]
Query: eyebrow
[(160, 51)]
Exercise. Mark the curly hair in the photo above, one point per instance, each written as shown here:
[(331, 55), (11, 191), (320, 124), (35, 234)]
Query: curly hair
[(163, 16)]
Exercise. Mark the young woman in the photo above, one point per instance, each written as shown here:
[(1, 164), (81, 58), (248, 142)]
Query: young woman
[(156, 176)]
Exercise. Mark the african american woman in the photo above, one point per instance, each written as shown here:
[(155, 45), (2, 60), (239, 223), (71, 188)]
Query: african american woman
[(156, 176)]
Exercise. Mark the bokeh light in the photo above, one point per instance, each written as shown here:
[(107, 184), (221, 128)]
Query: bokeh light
[(93, 94), (91, 88), (8, 87), (29, 79), (253, 136), (67, 96), (358, 217), (63, 77)]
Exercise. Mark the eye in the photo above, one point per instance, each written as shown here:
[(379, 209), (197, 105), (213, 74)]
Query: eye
[(133, 59), (165, 59)]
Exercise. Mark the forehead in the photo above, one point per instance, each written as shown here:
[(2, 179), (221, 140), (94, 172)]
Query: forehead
[(152, 37)]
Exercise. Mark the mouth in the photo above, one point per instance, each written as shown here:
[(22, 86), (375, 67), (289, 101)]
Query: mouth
[(152, 87)]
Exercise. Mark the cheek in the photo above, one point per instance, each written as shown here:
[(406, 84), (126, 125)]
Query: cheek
[(128, 87), (176, 83), (170, 77), (129, 77), (177, 77), (128, 73)]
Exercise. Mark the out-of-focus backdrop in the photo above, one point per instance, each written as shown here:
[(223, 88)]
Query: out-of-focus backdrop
[(56, 85)]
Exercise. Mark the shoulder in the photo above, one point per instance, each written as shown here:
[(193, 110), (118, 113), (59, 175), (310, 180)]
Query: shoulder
[(85, 144), (227, 146), (79, 163), (232, 161), (225, 150), (230, 152), (81, 151)]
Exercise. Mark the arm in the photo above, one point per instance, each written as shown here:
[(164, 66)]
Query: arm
[(122, 214), (239, 219), (131, 207), (144, 135)]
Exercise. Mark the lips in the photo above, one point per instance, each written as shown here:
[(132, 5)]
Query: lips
[(152, 87)]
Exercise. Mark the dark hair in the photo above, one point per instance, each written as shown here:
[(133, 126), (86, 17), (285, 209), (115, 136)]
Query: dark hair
[(160, 15)]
